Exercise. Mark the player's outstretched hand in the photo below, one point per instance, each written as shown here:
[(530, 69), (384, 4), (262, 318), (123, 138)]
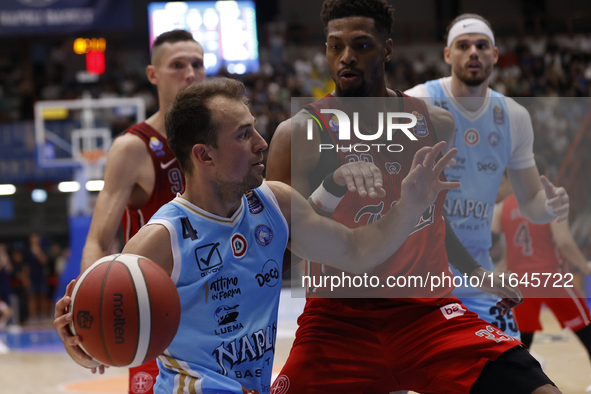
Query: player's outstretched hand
[(62, 319), (422, 184), (361, 177), (510, 295), (557, 198)]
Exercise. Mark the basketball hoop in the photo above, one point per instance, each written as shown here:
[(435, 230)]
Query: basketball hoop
[(92, 156)]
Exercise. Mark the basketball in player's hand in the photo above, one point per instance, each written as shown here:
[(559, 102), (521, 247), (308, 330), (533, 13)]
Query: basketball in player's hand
[(126, 309)]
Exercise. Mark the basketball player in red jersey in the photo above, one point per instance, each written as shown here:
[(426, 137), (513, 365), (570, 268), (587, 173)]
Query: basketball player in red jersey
[(142, 173), (542, 249), (380, 345)]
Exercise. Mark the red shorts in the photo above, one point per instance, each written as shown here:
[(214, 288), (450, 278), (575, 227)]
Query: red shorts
[(571, 311), (341, 348), (143, 378)]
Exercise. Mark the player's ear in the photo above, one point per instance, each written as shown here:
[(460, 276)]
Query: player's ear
[(151, 74), (201, 153), (388, 48), (496, 55), (446, 55)]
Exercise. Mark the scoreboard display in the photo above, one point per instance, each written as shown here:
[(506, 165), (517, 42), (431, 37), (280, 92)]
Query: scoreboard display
[(227, 31)]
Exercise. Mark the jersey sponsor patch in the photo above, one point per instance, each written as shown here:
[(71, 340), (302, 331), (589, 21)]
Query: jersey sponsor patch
[(281, 385), (239, 245), (498, 115), (450, 311), (420, 129), (263, 234), (141, 383), (255, 205), (208, 256), (225, 314), (393, 167), (487, 166), (494, 138), (471, 137), (269, 274)]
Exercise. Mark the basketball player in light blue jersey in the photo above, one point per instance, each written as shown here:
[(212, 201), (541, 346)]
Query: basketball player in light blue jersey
[(493, 133), (222, 241)]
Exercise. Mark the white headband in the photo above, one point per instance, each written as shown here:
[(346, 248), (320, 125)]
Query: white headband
[(469, 25)]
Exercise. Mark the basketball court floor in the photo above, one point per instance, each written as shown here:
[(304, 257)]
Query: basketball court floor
[(36, 362)]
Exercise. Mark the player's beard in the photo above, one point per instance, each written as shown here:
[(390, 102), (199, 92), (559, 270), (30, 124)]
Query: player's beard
[(365, 88), (476, 80), (359, 91), (229, 191)]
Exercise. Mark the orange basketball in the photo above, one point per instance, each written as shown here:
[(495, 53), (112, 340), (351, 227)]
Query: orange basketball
[(126, 309)]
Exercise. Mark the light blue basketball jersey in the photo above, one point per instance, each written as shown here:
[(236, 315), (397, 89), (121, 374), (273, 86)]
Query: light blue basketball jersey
[(228, 275), (483, 140)]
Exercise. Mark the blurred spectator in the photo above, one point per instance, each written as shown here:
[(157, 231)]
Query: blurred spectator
[(5, 271), (37, 261), (19, 282)]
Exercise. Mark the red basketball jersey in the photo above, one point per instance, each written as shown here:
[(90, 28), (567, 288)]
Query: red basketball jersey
[(423, 253), (530, 247), (169, 179)]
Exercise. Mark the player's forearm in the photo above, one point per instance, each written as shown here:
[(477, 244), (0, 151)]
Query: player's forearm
[(92, 252), (535, 209), (376, 242)]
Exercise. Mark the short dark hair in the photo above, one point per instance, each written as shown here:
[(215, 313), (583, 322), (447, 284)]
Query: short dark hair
[(172, 37), (379, 10), (188, 119), (541, 163), (466, 16)]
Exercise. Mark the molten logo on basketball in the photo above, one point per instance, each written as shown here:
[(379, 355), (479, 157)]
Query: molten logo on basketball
[(84, 319), (119, 321)]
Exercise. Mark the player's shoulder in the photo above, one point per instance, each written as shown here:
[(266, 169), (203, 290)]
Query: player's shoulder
[(129, 143), (515, 109), (280, 190), (420, 90), (424, 89)]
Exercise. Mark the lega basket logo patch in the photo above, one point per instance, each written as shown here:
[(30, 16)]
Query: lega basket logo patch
[(255, 205), (498, 115), (420, 129)]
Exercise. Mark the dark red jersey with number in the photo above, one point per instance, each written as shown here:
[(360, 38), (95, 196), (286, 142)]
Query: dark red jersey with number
[(169, 179), (530, 247), (423, 253)]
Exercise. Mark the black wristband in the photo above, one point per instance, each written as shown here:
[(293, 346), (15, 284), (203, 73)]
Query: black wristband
[(457, 254), (331, 186)]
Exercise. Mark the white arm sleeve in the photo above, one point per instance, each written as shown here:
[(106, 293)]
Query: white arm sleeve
[(522, 136)]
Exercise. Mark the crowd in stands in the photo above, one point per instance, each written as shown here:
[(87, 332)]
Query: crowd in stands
[(541, 66), (29, 274)]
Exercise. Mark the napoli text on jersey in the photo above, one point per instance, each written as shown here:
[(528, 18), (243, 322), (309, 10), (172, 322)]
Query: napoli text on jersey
[(228, 275)]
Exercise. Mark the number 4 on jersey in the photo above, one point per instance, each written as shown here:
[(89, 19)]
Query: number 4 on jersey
[(523, 238), (188, 230)]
